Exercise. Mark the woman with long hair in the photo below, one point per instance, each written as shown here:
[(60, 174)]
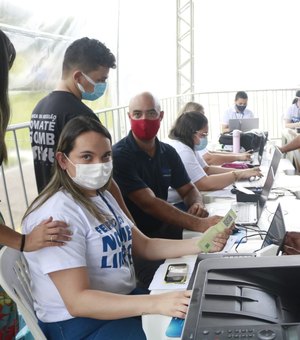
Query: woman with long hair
[(86, 290), (188, 136), (214, 157)]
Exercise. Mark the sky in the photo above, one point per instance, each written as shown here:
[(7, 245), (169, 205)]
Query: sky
[(239, 44), (249, 44)]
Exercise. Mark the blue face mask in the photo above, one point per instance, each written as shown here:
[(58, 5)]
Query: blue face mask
[(99, 89), (202, 145)]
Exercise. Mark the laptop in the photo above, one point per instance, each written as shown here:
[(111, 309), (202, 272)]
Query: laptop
[(276, 159), (244, 124), (248, 213), (275, 235), (277, 230), (259, 182)]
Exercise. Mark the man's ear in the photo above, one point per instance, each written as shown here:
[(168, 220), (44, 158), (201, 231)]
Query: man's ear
[(77, 75), (161, 115), (61, 159)]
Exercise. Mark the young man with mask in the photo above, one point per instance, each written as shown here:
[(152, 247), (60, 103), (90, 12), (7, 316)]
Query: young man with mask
[(237, 111), (144, 169), (85, 71)]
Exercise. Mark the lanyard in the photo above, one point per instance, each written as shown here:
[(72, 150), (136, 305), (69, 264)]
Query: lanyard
[(239, 113), (113, 212), (124, 249)]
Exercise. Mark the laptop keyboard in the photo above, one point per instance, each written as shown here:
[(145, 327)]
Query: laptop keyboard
[(246, 212), (257, 181), (243, 213)]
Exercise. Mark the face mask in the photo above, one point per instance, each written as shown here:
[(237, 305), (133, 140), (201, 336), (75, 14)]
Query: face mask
[(99, 89), (92, 176), (145, 129), (202, 145), (241, 108)]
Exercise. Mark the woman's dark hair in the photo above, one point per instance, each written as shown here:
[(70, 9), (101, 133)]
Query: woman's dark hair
[(60, 179), (186, 125), (7, 57)]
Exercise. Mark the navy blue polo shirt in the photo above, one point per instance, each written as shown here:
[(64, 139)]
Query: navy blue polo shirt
[(134, 169)]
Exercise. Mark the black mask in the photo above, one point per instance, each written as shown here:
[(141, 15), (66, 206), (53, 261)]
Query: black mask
[(241, 108)]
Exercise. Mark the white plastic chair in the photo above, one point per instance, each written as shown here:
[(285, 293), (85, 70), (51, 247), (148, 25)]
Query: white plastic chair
[(14, 278)]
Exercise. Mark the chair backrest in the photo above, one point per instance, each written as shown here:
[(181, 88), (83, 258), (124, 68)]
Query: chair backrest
[(14, 278)]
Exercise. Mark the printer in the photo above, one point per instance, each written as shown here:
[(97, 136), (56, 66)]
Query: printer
[(245, 298)]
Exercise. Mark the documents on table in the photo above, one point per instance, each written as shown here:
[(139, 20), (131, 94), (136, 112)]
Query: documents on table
[(158, 279), (158, 282)]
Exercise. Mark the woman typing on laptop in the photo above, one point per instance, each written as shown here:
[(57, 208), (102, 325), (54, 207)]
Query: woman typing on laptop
[(215, 157), (188, 136)]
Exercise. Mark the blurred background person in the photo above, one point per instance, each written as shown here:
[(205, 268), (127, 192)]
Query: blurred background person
[(214, 157), (292, 116), (237, 111)]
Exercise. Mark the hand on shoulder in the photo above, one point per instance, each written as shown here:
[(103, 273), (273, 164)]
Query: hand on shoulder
[(48, 233)]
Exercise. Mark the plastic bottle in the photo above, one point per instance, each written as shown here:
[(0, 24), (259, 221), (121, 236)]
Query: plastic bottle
[(236, 136)]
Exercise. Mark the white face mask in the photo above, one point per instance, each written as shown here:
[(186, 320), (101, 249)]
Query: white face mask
[(92, 176)]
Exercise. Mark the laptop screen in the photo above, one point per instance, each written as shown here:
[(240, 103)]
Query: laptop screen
[(276, 159), (265, 191), (244, 124), (276, 230)]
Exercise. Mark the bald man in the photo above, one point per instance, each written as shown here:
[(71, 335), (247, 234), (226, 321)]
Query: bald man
[(144, 169)]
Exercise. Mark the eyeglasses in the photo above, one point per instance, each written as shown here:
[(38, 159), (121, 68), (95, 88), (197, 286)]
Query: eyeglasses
[(201, 135)]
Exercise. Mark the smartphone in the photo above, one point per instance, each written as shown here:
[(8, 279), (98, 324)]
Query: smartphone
[(176, 273)]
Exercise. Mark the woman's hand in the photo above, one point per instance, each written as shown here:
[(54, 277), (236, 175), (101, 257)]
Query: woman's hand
[(248, 173), (173, 304), (47, 234), (245, 156), (220, 240)]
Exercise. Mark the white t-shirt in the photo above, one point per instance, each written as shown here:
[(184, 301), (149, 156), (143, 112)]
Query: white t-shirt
[(231, 113), (95, 245), (203, 152), (293, 114), (194, 165)]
